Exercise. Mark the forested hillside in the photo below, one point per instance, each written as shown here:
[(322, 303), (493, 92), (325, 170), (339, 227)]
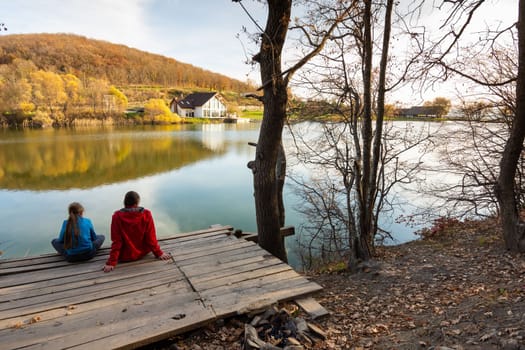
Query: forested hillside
[(118, 64), (64, 79)]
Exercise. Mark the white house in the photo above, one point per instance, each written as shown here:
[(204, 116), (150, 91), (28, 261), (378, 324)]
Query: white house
[(201, 105)]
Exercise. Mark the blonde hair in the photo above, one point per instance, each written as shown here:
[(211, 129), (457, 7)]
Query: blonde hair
[(75, 209)]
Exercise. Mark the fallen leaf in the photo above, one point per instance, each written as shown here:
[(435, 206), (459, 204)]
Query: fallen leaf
[(35, 319)]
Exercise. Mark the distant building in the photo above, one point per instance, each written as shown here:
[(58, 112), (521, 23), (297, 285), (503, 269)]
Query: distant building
[(200, 105), (420, 111)]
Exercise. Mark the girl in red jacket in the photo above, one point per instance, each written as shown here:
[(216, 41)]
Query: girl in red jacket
[(132, 233)]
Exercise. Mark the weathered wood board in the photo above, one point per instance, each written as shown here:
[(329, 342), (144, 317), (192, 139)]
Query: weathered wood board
[(47, 303)]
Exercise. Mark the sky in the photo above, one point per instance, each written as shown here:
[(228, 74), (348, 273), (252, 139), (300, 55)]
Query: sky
[(205, 33), (200, 32)]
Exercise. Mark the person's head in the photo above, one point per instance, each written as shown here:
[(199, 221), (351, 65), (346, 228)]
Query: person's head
[(75, 208), (131, 199)]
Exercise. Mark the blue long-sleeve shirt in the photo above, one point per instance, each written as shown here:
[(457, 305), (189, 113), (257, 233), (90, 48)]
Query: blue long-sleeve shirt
[(85, 238)]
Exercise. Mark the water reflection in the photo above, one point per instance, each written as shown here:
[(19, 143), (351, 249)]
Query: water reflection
[(190, 177), (65, 159)]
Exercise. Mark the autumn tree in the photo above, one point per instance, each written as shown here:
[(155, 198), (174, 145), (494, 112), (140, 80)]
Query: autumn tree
[(93, 94), (156, 111), (73, 90), (15, 88), (475, 110), (49, 93), (120, 100), (442, 105)]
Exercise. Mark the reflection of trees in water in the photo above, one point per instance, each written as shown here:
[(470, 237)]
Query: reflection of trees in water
[(63, 161)]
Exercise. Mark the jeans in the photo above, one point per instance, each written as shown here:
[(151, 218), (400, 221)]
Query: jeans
[(59, 247)]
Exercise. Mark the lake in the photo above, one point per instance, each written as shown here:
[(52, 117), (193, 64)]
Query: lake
[(189, 176)]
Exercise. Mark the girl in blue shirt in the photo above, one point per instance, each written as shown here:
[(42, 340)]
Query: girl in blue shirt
[(77, 240)]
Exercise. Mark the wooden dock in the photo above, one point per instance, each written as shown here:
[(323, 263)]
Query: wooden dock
[(47, 303)]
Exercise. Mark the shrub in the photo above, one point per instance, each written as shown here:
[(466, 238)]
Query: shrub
[(442, 227), (42, 119), (156, 111)]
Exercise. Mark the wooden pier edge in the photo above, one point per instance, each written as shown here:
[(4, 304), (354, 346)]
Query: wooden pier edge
[(48, 303)]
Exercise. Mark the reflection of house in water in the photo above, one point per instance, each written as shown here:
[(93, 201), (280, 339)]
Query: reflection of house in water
[(200, 105), (213, 136)]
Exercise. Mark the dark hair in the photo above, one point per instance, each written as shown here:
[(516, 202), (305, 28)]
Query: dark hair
[(131, 199), (75, 209)]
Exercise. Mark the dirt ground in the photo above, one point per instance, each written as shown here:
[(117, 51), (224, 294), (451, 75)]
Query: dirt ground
[(458, 289)]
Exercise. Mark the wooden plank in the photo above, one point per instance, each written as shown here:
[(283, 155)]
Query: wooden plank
[(24, 281), (203, 270), (244, 301), (214, 250), (53, 257), (49, 303), (253, 237), (219, 257), (192, 247), (67, 270), (158, 329), (312, 307), (188, 238), (189, 244), (50, 265), (240, 266), (101, 323), (241, 277), (205, 264), (31, 289), (47, 258), (285, 278), (198, 232), (42, 259), (64, 293), (132, 297)]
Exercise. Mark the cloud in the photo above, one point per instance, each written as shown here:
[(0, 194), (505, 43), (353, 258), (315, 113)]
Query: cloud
[(118, 21), (202, 32)]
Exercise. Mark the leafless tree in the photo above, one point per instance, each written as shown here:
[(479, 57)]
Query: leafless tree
[(358, 160), (275, 80), (454, 58), (330, 193)]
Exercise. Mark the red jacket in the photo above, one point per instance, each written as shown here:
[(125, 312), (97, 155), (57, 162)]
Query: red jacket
[(132, 235)]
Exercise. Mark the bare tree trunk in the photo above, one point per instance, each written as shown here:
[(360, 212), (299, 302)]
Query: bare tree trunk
[(366, 202), (281, 176), (269, 165), (513, 231), (275, 100)]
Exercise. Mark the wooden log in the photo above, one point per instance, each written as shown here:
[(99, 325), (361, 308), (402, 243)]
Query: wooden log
[(253, 237), (311, 307)]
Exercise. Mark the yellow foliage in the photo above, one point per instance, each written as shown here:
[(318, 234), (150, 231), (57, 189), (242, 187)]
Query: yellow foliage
[(156, 111), (42, 118), (26, 107), (121, 99), (48, 88)]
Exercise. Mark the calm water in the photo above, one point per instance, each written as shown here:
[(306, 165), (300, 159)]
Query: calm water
[(189, 176)]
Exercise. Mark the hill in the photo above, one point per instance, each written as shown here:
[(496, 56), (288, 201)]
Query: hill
[(118, 64)]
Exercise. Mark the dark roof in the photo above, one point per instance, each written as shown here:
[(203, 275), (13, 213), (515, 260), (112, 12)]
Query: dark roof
[(196, 99), (420, 110)]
